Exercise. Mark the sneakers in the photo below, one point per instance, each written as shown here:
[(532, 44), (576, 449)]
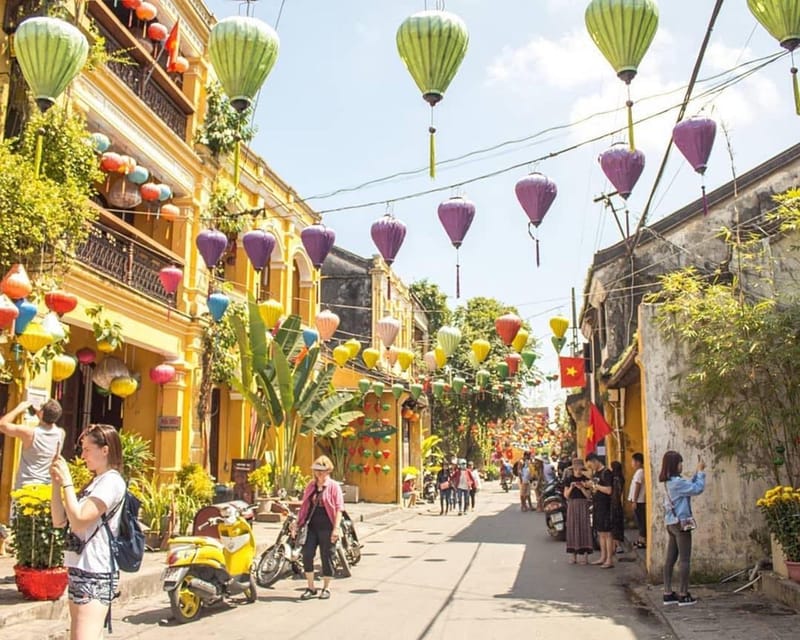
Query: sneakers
[(687, 600), (308, 594), (670, 598)]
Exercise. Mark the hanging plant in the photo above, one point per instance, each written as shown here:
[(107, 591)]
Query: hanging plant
[(107, 334), (224, 210), (223, 126)]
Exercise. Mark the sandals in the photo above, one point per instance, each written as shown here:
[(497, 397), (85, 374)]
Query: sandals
[(310, 593)]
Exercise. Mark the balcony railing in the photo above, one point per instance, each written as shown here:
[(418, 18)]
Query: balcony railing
[(125, 260)]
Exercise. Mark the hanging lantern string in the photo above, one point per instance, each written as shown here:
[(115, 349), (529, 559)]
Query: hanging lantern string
[(535, 239), (629, 105), (795, 86), (432, 148)]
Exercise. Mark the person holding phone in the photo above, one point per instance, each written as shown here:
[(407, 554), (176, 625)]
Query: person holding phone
[(41, 444)]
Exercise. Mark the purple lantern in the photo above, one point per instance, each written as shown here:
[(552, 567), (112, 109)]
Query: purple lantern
[(456, 215), (388, 234), (536, 193), (622, 167), (695, 138), (211, 244), (318, 241), (258, 245)]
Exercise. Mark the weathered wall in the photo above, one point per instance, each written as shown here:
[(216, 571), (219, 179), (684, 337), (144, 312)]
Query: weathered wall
[(726, 511), (347, 290)]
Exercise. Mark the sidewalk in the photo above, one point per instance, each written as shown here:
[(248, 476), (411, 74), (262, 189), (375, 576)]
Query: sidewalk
[(147, 581)]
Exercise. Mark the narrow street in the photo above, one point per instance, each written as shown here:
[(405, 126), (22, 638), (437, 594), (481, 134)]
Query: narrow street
[(493, 574)]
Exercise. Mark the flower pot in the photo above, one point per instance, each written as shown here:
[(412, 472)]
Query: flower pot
[(41, 584), (793, 569), (778, 557)]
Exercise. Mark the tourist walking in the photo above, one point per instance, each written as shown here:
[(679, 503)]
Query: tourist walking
[(523, 469), (579, 529), (445, 487), (464, 483), (680, 523), (636, 495), (476, 480)]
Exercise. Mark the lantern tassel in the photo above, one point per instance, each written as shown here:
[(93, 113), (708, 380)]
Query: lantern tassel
[(796, 89), (37, 158), (705, 200), (432, 151), (631, 142), (458, 276), (236, 165), (389, 288), (537, 252)]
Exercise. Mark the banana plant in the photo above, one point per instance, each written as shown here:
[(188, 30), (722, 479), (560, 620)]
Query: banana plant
[(287, 388)]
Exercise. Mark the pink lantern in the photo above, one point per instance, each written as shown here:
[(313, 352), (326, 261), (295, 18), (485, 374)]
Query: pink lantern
[(695, 139), (387, 330), (535, 193), (391, 356), (430, 361), (86, 356), (326, 322), (162, 374), (169, 212), (170, 279), (150, 192), (513, 360)]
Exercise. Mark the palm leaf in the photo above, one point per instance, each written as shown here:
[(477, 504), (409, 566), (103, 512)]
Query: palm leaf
[(325, 409), (283, 379), (334, 425), (316, 390), (245, 355), (258, 336), (288, 335), (303, 371)]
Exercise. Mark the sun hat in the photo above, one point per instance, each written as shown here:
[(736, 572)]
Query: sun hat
[(323, 463)]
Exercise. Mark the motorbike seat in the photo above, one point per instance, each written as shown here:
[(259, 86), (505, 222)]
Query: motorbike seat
[(197, 541)]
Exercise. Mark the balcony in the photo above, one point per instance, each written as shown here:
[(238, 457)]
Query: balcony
[(123, 253)]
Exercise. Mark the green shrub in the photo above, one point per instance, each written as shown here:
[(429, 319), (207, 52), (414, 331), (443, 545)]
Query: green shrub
[(195, 482)]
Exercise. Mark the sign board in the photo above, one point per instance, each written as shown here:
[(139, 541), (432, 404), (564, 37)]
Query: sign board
[(37, 396), (169, 423), (378, 430)]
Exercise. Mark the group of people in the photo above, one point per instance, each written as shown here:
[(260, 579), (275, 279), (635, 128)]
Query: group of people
[(457, 482), (534, 474)]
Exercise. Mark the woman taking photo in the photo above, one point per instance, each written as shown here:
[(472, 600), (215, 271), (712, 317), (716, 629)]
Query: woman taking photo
[(93, 579), (577, 493), (321, 512), (680, 522)]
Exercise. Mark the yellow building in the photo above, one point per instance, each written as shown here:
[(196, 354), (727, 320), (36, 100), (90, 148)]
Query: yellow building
[(153, 116)]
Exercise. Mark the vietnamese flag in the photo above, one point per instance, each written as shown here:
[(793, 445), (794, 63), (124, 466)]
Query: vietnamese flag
[(572, 372), (172, 44), (598, 429)]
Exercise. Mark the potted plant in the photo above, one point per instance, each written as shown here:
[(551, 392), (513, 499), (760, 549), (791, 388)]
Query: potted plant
[(154, 513), (781, 509), (261, 481), (38, 546)]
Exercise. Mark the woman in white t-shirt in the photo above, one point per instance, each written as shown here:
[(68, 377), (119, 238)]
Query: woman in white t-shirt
[(93, 580), (636, 495)]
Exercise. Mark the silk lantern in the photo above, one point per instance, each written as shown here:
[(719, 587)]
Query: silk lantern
[(363, 385), (528, 357), (170, 278), (405, 357), (318, 240), (513, 361), (559, 326), (26, 313), (456, 216), (353, 346), (432, 45), (535, 194), (623, 31), (415, 390), (258, 245), (100, 142), (507, 327), (211, 244), (482, 377), (623, 167), (377, 389), (53, 326), (217, 305), (694, 138), (480, 349), (520, 340), (86, 356), (387, 329), (448, 338), (162, 374), (123, 386), (388, 234), (35, 337), (440, 355), (8, 312), (64, 366), (397, 390), (270, 312), (438, 389), (430, 361), (370, 357), (310, 337), (391, 356), (16, 284), (326, 322), (139, 175), (341, 355), (60, 302), (458, 384)]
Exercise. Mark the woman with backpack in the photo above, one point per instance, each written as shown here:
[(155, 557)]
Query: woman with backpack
[(93, 579)]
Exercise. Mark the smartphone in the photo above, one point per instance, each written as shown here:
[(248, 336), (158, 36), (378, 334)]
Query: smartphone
[(32, 410)]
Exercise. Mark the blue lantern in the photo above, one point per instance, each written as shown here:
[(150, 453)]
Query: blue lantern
[(217, 305), (27, 312), (140, 175), (310, 337)]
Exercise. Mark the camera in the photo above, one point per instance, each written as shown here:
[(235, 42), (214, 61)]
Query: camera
[(73, 543)]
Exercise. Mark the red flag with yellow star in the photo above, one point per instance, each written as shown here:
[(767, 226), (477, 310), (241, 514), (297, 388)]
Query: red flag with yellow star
[(572, 372), (598, 429)]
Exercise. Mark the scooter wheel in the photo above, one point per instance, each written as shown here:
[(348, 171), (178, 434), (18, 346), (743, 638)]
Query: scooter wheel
[(271, 566), (340, 563), (353, 549), (250, 593), (185, 604)]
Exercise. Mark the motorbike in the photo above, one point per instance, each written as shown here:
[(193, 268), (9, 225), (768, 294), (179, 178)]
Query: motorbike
[(203, 570), (505, 483), (555, 510), (285, 552), (429, 488)]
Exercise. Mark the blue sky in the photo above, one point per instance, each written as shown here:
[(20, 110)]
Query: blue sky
[(339, 109)]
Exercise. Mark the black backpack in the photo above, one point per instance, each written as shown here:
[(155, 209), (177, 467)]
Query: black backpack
[(127, 548)]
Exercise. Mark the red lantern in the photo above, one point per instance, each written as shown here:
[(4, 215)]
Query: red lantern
[(513, 360), (8, 312), (170, 278), (157, 32), (386, 453), (60, 301), (150, 192), (507, 327), (110, 162), (132, 5), (86, 355), (146, 12), (376, 468), (162, 373)]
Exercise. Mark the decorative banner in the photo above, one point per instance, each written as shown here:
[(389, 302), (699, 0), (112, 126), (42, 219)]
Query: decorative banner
[(572, 372)]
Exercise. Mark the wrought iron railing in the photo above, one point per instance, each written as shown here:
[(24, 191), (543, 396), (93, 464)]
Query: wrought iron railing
[(125, 260)]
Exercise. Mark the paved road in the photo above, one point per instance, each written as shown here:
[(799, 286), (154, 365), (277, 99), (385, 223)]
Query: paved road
[(491, 574)]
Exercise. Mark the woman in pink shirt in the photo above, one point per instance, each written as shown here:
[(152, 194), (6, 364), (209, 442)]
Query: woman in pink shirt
[(321, 510)]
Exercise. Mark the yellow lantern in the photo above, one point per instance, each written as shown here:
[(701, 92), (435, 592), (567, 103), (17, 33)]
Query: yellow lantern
[(63, 367), (371, 357), (354, 346), (520, 340), (270, 312), (404, 358), (559, 325), (441, 357), (104, 346), (481, 350), (341, 355), (123, 386), (35, 337)]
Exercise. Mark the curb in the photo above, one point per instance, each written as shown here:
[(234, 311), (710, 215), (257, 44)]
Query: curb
[(145, 582)]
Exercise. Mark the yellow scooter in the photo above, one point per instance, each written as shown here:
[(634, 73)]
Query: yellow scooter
[(203, 570)]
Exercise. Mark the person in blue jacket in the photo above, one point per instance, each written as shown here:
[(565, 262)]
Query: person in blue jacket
[(678, 509)]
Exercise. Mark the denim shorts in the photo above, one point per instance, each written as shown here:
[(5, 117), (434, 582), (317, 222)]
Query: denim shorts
[(85, 587)]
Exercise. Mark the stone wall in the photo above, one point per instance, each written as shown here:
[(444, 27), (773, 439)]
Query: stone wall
[(347, 291), (726, 511)]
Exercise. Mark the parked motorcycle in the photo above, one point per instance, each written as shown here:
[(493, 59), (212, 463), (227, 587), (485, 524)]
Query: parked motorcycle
[(555, 510), (203, 570), (429, 488), (285, 552)]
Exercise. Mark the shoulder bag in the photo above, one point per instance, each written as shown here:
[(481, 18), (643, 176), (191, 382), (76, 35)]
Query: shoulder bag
[(684, 524)]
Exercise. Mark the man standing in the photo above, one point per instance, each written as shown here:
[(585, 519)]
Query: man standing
[(40, 444), (476, 483), (636, 495), (524, 472)]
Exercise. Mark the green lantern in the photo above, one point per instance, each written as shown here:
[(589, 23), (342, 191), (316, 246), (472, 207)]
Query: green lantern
[(50, 52), (502, 370), (432, 45), (482, 377), (623, 31), (528, 357), (363, 386), (243, 51), (782, 19), (397, 390), (367, 453), (458, 384), (415, 390), (377, 389), (386, 469), (438, 389)]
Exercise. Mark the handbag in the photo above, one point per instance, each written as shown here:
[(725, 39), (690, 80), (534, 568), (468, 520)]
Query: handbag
[(444, 486), (684, 524), (302, 531)]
